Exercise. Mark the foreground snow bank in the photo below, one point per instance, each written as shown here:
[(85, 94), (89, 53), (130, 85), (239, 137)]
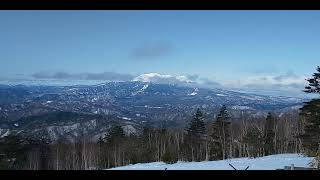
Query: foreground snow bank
[(271, 162)]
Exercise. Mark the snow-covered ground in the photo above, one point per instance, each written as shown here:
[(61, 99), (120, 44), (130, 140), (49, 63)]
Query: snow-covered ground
[(271, 162)]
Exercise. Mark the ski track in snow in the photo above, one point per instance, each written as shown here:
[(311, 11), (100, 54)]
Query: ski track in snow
[(271, 162)]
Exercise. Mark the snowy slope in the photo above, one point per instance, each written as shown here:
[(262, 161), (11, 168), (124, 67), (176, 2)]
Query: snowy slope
[(271, 162), (162, 78)]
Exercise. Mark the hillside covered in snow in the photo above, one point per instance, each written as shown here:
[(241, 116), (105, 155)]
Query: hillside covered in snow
[(131, 103), (271, 162)]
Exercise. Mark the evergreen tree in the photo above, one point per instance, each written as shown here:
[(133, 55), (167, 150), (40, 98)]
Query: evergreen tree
[(12, 153), (100, 141), (220, 144), (115, 145), (311, 137), (197, 127), (196, 135), (115, 133), (314, 83), (269, 135), (310, 112)]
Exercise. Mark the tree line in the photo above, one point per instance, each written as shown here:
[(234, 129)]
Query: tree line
[(221, 138)]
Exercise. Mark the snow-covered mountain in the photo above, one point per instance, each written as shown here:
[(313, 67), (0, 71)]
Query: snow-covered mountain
[(131, 102), (162, 79)]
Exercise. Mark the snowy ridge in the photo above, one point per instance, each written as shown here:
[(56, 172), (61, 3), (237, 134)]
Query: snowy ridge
[(143, 88), (220, 95), (160, 78), (149, 76), (125, 118), (195, 92), (4, 132), (271, 162)]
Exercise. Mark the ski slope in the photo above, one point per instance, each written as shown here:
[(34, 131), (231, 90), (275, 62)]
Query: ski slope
[(271, 162)]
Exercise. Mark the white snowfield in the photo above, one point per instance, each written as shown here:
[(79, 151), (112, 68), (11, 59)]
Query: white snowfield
[(271, 162)]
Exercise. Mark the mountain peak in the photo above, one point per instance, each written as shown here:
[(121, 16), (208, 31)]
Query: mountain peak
[(162, 78)]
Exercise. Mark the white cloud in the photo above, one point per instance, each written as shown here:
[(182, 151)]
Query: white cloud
[(112, 76), (286, 82), (272, 80)]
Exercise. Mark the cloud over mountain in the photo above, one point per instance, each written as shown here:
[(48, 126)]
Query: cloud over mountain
[(288, 82), (109, 76)]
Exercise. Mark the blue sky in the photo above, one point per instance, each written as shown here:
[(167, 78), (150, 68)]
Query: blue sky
[(234, 48)]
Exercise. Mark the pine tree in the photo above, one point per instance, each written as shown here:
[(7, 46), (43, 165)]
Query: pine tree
[(220, 144), (269, 135), (114, 142), (311, 137), (115, 133), (197, 127), (314, 83), (196, 135), (310, 112)]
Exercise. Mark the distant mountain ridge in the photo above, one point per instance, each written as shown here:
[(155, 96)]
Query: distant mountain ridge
[(131, 102)]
